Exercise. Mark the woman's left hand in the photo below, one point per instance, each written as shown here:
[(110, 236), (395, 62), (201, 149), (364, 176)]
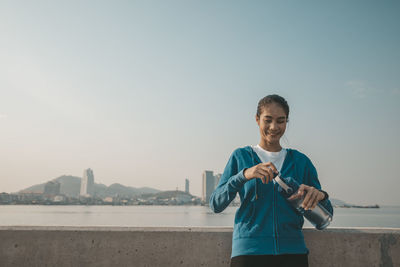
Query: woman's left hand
[(312, 196)]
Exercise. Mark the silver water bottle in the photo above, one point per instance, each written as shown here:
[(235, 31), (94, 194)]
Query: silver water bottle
[(319, 216)]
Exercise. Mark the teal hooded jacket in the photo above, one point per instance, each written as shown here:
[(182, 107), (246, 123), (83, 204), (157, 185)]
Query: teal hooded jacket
[(265, 223)]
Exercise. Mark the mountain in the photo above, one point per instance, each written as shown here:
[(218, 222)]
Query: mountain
[(168, 194), (121, 190), (71, 186)]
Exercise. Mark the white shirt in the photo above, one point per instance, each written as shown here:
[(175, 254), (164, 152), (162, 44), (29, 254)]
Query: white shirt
[(276, 158)]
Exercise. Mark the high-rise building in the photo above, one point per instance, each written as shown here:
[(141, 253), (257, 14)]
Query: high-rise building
[(87, 183), (208, 185), (217, 177), (187, 186), (52, 188)]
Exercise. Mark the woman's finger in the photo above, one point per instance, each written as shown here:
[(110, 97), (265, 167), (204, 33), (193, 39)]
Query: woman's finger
[(270, 174), (262, 175), (313, 196), (296, 196), (272, 167), (307, 197), (318, 198), (313, 200), (267, 168), (267, 173), (301, 191)]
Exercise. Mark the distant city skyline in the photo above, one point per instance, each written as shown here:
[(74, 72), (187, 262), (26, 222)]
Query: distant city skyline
[(209, 183), (86, 184), (150, 93)]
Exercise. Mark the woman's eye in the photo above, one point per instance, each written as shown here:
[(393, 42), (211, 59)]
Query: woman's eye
[(268, 121)]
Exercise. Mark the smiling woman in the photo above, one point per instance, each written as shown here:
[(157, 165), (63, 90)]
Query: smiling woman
[(267, 230), (272, 116)]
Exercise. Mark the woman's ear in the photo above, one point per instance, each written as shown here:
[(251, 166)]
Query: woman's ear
[(258, 120)]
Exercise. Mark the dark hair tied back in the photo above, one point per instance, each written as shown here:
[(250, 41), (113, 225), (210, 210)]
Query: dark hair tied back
[(273, 99)]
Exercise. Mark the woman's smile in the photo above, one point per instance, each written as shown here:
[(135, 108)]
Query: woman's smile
[(273, 133)]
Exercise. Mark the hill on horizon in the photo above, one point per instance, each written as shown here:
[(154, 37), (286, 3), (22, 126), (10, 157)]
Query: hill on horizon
[(168, 194), (71, 185)]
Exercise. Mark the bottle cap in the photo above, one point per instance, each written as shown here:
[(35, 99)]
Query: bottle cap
[(284, 186)]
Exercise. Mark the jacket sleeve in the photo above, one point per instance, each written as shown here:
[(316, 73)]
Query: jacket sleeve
[(232, 180), (312, 178)]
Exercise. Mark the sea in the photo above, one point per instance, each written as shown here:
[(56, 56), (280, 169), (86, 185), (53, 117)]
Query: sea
[(171, 216)]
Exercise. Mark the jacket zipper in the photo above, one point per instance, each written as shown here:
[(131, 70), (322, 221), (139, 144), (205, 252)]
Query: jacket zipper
[(275, 217), (275, 208), (274, 223)]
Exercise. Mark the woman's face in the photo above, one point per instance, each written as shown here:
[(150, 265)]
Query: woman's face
[(272, 123)]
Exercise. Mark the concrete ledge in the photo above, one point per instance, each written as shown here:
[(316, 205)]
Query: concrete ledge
[(181, 246)]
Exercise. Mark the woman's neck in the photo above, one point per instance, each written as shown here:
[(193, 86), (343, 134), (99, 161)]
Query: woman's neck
[(271, 147)]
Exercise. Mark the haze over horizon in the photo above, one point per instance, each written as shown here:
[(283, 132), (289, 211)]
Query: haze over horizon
[(151, 93)]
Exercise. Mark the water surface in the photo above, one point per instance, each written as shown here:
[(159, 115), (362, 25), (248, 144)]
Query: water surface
[(170, 216)]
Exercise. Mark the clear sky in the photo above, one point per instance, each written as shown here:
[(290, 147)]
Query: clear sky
[(148, 93)]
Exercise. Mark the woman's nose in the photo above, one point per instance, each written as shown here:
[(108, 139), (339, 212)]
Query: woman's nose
[(273, 125)]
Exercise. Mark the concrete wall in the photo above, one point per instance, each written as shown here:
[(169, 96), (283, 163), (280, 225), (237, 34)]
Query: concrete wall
[(119, 246)]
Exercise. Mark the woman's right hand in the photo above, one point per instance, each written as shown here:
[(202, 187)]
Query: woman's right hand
[(264, 171)]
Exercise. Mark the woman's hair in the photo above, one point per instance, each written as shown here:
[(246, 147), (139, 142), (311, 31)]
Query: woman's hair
[(273, 99)]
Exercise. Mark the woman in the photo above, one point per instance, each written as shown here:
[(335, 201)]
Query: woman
[(267, 230)]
